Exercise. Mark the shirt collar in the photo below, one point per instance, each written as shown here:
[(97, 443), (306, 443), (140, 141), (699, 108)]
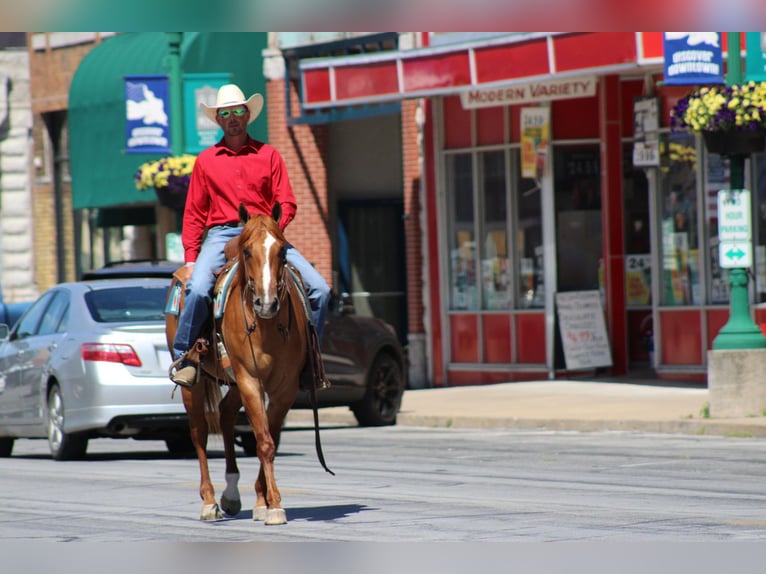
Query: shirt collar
[(250, 145)]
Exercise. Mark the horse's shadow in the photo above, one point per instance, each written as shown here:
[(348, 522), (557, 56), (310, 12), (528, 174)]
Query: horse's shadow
[(312, 513)]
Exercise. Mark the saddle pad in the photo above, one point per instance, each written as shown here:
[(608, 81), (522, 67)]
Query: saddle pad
[(172, 307), (222, 291)]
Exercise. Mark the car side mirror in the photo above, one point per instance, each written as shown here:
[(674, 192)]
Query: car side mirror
[(5, 332)]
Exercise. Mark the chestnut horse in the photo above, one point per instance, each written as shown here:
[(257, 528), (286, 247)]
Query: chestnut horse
[(264, 330)]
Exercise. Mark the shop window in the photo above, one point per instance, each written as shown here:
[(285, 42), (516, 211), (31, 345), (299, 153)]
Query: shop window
[(638, 262), (577, 184), (529, 241), (496, 293), (717, 177), (679, 249), (759, 225), (462, 238)]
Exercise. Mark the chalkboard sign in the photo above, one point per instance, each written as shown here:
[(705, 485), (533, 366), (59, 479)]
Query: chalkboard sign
[(582, 329)]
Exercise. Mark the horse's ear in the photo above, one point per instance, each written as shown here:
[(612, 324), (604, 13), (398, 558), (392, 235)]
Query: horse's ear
[(276, 211), (243, 215)]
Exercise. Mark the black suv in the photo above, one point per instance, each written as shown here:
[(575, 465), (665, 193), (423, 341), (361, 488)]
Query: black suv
[(362, 355)]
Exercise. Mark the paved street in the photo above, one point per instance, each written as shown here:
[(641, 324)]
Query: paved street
[(406, 483)]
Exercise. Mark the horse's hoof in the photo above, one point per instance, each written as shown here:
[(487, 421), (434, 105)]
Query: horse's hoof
[(210, 512), (259, 513), (231, 506), (276, 516)]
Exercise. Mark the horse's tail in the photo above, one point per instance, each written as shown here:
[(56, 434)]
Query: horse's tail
[(213, 396)]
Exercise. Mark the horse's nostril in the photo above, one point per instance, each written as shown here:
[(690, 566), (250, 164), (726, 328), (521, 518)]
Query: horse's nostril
[(275, 305), (257, 302)]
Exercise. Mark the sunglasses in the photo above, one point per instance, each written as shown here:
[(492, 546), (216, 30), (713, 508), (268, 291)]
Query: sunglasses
[(239, 112)]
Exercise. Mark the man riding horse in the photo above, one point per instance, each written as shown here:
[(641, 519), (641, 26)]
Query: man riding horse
[(236, 170)]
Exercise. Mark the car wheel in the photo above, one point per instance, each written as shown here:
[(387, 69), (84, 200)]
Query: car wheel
[(6, 446), (64, 446), (180, 445), (383, 396)]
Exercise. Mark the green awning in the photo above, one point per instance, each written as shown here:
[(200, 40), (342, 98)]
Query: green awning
[(117, 217), (102, 173)]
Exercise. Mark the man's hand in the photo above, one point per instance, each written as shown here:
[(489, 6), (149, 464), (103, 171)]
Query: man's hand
[(184, 273)]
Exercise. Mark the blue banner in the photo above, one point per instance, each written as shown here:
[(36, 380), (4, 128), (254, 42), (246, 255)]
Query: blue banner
[(147, 114), (755, 56), (199, 131), (693, 58)]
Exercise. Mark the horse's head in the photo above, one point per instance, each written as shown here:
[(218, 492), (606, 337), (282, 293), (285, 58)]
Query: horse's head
[(262, 253)]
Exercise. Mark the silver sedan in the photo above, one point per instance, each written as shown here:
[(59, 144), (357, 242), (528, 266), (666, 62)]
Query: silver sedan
[(90, 359)]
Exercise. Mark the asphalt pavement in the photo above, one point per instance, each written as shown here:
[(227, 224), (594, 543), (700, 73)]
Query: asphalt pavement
[(573, 405)]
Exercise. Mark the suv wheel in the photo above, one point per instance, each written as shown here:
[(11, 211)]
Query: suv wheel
[(383, 397)]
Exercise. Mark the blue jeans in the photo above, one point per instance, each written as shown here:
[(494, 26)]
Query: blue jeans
[(198, 293)]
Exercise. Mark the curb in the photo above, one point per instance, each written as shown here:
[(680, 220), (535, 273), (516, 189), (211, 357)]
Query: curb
[(735, 428)]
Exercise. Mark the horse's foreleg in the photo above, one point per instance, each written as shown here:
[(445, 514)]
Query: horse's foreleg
[(194, 402), (266, 485), (231, 503)]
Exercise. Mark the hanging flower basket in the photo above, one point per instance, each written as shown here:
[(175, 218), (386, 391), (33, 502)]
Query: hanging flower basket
[(735, 142), (167, 197), (169, 177), (731, 119)]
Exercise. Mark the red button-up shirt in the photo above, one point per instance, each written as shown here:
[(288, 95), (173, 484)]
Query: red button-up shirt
[(222, 178)]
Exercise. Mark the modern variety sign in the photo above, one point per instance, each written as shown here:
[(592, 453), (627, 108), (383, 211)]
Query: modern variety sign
[(542, 91), (147, 122), (693, 58)]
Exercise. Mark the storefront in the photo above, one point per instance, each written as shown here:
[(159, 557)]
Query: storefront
[(501, 246)]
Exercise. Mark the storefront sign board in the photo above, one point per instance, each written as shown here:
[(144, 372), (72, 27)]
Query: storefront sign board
[(583, 330), (542, 91), (755, 56)]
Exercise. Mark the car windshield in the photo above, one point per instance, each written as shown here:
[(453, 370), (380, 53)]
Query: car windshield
[(127, 304)]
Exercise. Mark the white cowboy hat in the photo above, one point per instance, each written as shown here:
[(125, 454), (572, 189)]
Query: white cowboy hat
[(230, 95)]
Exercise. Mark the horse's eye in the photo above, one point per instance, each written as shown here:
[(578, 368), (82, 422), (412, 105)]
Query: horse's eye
[(246, 253)]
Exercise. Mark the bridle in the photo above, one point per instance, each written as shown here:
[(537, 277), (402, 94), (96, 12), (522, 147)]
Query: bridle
[(282, 291)]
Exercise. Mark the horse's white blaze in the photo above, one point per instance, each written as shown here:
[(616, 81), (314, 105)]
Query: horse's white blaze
[(268, 243)]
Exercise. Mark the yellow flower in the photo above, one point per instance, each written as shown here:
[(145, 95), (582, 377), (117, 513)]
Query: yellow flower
[(171, 171)]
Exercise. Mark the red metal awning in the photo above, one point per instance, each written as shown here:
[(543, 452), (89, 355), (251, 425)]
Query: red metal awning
[(451, 69)]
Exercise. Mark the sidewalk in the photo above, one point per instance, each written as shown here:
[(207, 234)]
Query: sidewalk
[(560, 405)]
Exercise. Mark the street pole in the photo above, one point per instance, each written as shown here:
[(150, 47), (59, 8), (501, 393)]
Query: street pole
[(740, 332), (175, 88)]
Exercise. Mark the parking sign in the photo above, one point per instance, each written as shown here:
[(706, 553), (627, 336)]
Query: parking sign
[(734, 229)]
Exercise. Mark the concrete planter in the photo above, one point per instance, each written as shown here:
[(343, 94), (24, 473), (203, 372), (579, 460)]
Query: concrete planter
[(737, 383)]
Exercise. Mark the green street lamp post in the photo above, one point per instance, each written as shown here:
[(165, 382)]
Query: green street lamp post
[(740, 332)]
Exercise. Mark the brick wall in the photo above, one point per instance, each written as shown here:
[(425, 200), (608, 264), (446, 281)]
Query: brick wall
[(304, 149), (51, 72), (412, 214)]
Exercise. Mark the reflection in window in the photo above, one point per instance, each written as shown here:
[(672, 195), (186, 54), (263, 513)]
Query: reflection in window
[(679, 250), (463, 293), (529, 241), (496, 292)]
